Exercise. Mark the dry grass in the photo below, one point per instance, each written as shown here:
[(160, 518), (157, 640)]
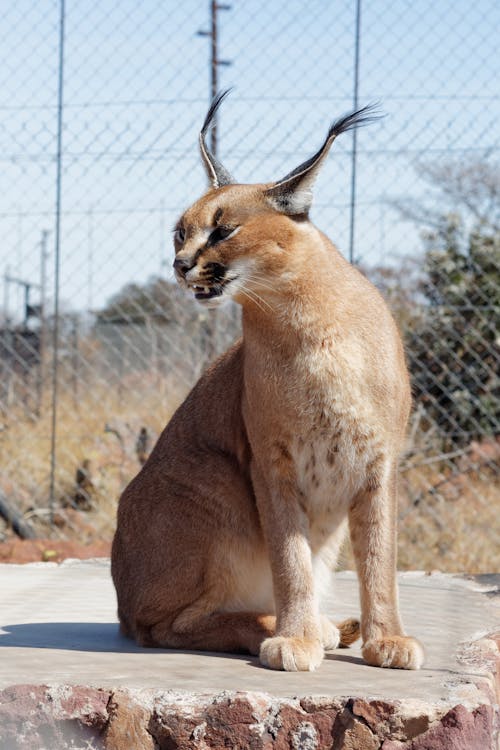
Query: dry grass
[(454, 529), (103, 429)]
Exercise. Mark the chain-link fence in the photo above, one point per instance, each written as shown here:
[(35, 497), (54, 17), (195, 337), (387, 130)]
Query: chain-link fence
[(101, 104)]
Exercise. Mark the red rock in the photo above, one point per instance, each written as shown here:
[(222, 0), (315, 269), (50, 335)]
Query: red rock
[(349, 733), (459, 729), (379, 715), (53, 717), (64, 717), (128, 724), (175, 729), (231, 723)]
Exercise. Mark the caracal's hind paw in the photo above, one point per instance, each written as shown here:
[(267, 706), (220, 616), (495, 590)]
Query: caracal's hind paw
[(396, 652), (291, 654), (350, 631)]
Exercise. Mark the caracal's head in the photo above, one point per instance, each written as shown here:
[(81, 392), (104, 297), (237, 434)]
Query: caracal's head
[(238, 241)]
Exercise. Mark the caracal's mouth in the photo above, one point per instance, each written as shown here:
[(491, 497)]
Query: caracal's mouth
[(204, 292), (207, 292)]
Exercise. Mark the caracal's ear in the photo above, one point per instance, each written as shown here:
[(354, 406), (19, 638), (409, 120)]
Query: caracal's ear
[(293, 194), (217, 174)]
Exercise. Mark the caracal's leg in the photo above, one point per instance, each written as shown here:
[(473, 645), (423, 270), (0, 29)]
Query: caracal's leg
[(298, 642), (233, 632), (372, 524)]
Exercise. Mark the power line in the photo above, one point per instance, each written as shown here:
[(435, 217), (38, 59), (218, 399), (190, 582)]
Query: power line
[(154, 210), (166, 153), (243, 98)]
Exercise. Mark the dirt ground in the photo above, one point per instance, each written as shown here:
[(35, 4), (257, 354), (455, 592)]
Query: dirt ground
[(50, 550)]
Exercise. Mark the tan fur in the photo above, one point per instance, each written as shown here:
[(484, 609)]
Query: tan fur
[(228, 535)]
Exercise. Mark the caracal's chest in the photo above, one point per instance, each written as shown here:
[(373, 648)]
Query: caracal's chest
[(314, 406), (334, 441)]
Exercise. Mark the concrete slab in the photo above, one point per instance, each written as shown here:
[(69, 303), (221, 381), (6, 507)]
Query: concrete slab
[(58, 627)]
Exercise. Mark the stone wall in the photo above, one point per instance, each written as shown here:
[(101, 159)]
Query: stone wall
[(82, 718)]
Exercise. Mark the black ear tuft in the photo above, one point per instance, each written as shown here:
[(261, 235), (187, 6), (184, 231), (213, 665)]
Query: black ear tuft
[(216, 102), (293, 193), (217, 173), (357, 119)]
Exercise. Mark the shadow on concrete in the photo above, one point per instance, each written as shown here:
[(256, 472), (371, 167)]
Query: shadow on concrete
[(97, 637), (345, 657), (71, 636), (253, 661), (105, 637)]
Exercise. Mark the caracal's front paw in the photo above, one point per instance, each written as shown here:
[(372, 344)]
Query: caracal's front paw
[(291, 654), (395, 651)]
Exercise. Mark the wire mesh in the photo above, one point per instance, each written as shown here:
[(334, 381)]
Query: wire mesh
[(425, 227)]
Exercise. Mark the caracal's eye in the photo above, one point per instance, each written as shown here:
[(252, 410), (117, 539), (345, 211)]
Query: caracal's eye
[(179, 235), (221, 233)]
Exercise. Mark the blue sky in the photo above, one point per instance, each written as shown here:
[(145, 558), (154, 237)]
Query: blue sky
[(136, 91)]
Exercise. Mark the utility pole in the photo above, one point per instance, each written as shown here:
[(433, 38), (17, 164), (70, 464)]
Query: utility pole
[(162, 247), (215, 62), (5, 364), (6, 297), (29, 311), (90, 259), (11, 336)]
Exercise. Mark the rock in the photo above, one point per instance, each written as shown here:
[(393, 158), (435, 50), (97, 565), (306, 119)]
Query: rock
[(82, 718), (459, 729), (59, 620), (128, 724), (35, 717)]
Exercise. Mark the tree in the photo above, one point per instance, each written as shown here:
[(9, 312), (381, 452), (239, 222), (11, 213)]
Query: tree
[(135, 303), (162, 306), (452, 341)]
